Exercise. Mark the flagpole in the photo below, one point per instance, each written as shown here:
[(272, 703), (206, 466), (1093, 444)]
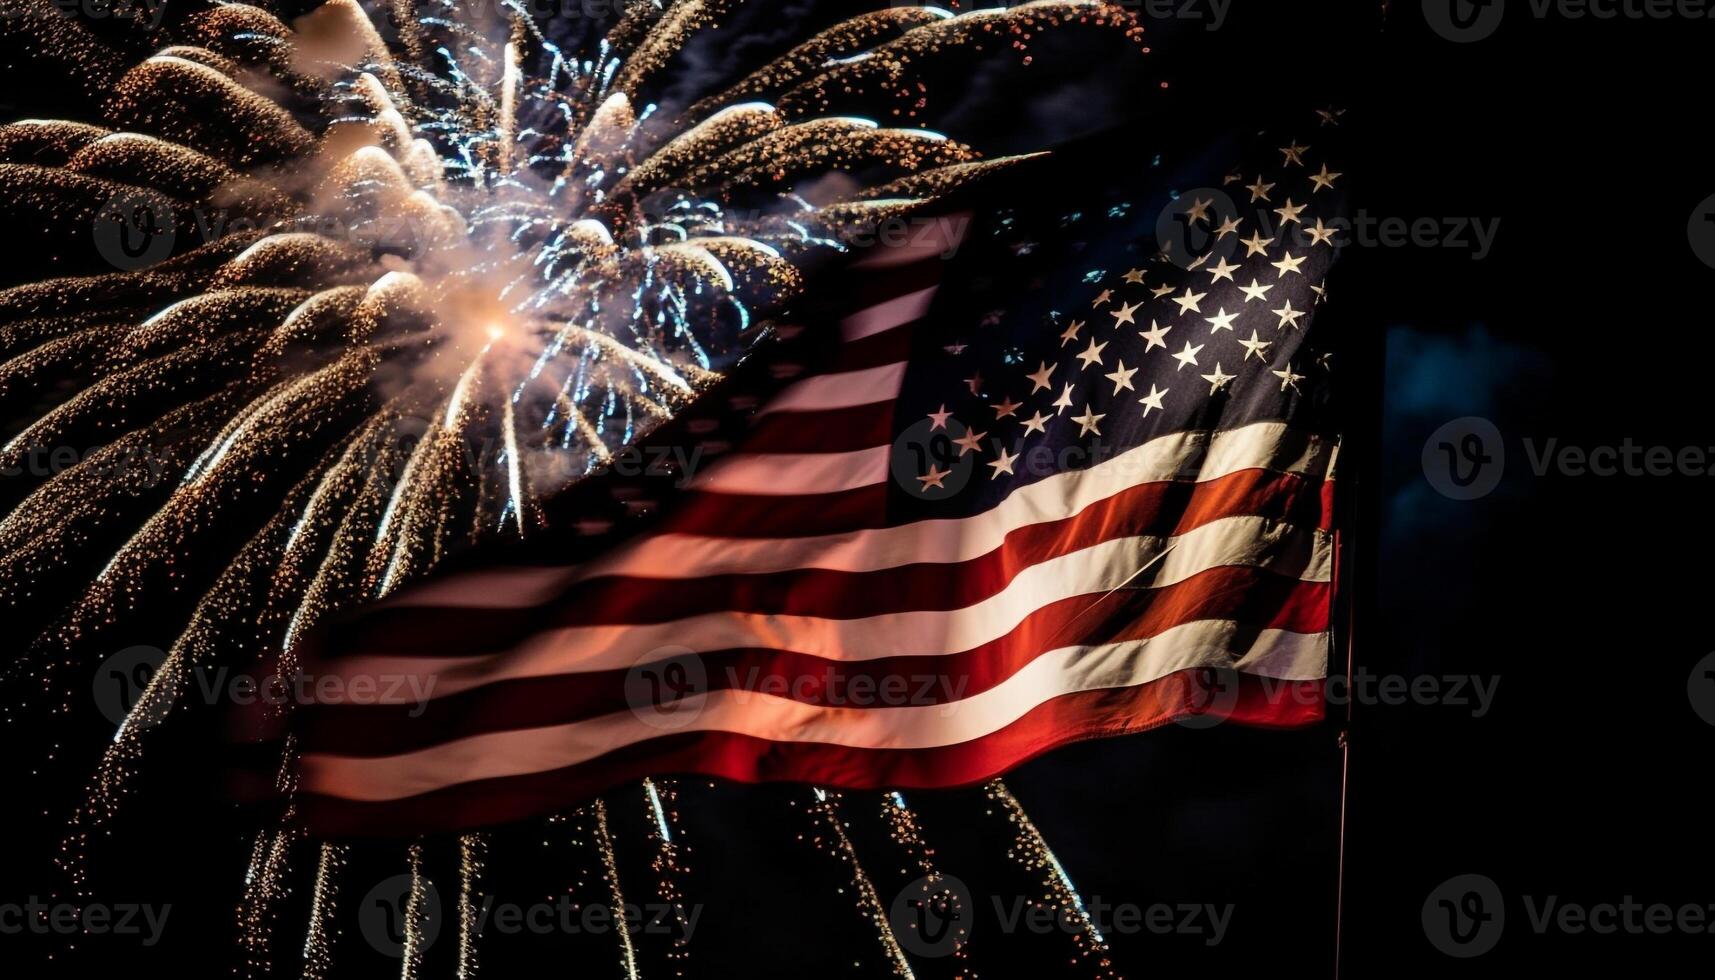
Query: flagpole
[(1345, 794), (1354, 560)]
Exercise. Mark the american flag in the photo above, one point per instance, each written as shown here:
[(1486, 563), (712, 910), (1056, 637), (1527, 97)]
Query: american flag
[(1045, 473)]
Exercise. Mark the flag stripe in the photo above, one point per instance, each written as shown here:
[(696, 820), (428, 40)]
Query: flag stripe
[(1070, 670), (401, 722), (1302, 554), (689, 548), (1266, 446), (744, 758), (845, 389), (893, 587)]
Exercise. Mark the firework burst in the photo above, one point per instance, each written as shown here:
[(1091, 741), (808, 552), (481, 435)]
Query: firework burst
[(381, 277)]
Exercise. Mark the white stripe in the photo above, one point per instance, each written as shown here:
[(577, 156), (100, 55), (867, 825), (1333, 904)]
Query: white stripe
[(887, 315), (1069, 670), (792, 474), (1302, 553), (847, 389), (1180, 456), (488, 588), (1267, 445)]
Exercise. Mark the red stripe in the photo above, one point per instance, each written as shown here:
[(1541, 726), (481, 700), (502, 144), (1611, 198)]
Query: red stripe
[(1260, 599), (837, 430), (873, 351), (867, 286), (1166, 508), (738, 515), (1074, 717)]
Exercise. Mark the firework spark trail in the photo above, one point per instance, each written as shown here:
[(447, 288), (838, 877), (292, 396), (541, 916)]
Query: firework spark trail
[(826, 809), (324, 900), (616, 896), (468, 237), (1030, 849), (472, 850), (668, 865), (907, 831), (416, 913)]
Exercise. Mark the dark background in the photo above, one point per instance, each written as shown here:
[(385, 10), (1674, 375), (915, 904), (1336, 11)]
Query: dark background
[(1579, 593)]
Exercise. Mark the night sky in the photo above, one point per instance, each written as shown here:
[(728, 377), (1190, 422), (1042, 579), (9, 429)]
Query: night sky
[(1571, 594)]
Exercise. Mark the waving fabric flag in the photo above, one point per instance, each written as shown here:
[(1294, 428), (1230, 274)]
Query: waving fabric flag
[(1060, 470)]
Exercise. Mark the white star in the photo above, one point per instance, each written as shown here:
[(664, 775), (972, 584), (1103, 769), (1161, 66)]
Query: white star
[(1006, 407), (1324, 179), (1121, 377), (1220, 321), (1188, 355), (1189, 301), (934, 477), (1288, 379), (1064, 402), (1256, 244), (1039, 380), (1223, 270), (1321, 234), (1003, 463), (1288, 316), (1102, 297), (940, 418), (1093, 354), (1071, 333), (1259, 190), (1256, 290), (1287, 264), (1293, 154), (1256, 346), (1036, 423), (1289, 213), (1087, 422), (1152, 401), (1156, 336), (1124, 313), (1219, 379), (970, 442)]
